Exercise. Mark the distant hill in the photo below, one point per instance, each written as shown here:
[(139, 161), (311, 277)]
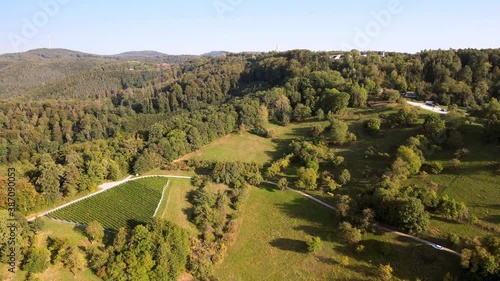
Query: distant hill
[(47, 71), (215, 54), (47, 54), (142, 54)]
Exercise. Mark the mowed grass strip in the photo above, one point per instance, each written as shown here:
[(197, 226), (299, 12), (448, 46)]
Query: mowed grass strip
[(127, 205), (175, 206)]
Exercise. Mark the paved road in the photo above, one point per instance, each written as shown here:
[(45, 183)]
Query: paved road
[(426, 107), (378, 226)]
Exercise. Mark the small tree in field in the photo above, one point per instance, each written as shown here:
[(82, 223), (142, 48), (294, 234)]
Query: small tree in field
[(314, 244), (36, 260), (350, 234), (344, 177), (345, 261), (372, 126), (94, 231), (36, 225), (385, 272), (75, 260), (283, 183), (307, 178)]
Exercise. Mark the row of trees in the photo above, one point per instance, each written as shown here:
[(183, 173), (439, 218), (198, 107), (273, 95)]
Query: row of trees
[(215, 213)]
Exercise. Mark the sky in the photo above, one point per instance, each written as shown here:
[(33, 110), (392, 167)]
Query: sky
[(198, 26)]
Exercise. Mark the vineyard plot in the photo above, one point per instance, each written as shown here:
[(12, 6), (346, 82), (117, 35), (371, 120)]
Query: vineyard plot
[(126, 205)]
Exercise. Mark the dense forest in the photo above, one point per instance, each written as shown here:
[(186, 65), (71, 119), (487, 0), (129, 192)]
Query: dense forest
[(80, 120)]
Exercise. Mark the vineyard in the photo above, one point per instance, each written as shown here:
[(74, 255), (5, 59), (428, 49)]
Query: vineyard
[(129, 204)]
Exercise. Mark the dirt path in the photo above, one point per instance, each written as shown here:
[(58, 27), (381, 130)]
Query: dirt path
[(378, 226), (103, 187)]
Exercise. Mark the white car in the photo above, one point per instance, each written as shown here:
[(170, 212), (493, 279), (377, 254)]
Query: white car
[(437, 247)]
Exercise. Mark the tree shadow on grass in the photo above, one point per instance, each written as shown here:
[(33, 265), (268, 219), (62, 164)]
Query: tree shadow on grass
[(80, 229), (408, 261), (445, 220), (321, 220), (189, 212), (493, 219), (324, 232), (282, 148), (470, 170), (291, 245), (269, 187), (314, 219), (326, 260)]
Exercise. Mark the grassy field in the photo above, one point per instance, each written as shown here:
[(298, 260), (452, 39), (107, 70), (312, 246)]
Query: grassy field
[(129, 204), (271, 246), (175, 206), (474, 182), (247, 147)]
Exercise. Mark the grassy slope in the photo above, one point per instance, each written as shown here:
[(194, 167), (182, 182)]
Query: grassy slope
[(175, 206), (236, 147), (271, 246), (251, 148), (474, 183)]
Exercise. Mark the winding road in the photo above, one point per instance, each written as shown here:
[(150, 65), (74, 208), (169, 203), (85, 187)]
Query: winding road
[(378, 226), (436, 109), (109, 185)]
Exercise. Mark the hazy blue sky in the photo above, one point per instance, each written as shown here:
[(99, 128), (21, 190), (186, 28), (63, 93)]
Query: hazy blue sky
[(198, 26)]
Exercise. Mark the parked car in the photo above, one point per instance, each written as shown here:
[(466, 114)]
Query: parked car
[(437, 247)]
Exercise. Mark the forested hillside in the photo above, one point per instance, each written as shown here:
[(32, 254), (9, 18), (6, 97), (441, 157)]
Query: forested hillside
[(63, 73), (71, 121)]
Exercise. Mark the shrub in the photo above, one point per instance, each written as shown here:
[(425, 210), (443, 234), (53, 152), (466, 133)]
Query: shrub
[(454, 239), (455, 162), (372, 126), (360, 248), (344, 177), (385, 272), (433, 167), (344, 261), (474, 220), (282, 183), (271, 133), (314, 244), (350, 234)]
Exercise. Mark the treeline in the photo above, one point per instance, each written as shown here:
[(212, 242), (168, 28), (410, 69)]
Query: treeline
[(216, 213), (156, 251)]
